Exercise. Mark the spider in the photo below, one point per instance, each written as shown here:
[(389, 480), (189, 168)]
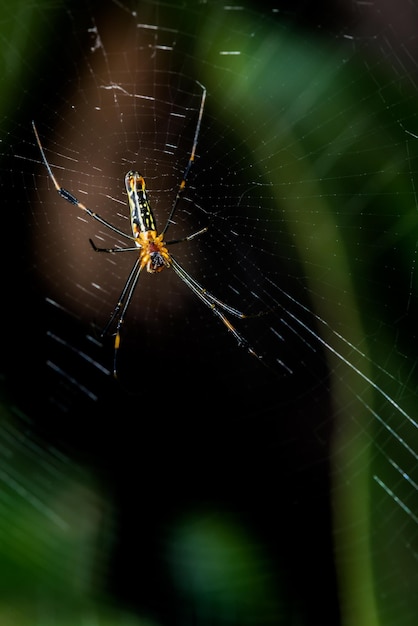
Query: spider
[(152, 250)]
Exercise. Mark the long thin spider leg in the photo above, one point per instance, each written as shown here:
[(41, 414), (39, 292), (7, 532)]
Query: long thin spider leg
[(199, 290), (96, 249), (214, 305), (133, 278), (188, 238), (69, 197), (197, 287), (190, 161)]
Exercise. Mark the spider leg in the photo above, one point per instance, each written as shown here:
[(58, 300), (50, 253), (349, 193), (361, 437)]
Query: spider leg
[(132, 278), (121, 307), (96, 249), (188, 238), (69, 197), (190, 161), (127, 291), (214, 305)]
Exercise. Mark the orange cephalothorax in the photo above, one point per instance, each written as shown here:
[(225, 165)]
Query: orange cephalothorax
[(153, 252)]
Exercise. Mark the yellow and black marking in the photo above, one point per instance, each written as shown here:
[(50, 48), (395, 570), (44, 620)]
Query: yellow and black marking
[(153, 253), (142, 218)]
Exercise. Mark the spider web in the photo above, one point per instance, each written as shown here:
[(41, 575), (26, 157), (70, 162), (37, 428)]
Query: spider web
[(306, 508)]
